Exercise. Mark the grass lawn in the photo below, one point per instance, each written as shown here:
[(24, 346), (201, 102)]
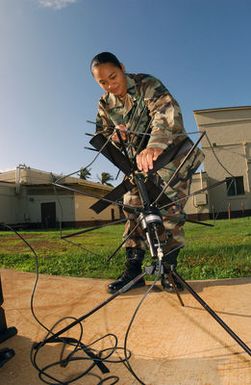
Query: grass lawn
[(222, 251)]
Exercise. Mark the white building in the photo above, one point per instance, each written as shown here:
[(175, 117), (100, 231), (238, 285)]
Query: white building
[(227, 157), (28, 198)]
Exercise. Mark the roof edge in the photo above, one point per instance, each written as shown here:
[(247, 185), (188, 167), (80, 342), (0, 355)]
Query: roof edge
[(222, 109)]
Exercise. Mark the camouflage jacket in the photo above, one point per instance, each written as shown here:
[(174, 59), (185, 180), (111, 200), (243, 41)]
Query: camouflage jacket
[(148, 107)]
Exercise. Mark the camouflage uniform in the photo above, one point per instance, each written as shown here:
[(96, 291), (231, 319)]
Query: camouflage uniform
[(148, 107)]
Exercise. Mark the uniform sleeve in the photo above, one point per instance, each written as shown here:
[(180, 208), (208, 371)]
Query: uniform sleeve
[(103, 122), (166, 119)]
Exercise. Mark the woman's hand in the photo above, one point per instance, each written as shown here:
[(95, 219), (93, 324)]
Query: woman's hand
[(122, 129), (146, 157)]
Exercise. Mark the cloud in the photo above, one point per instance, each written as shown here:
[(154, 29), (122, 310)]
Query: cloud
[(56, 4)]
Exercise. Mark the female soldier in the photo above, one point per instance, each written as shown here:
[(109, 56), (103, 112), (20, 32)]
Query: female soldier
[(140, 104)]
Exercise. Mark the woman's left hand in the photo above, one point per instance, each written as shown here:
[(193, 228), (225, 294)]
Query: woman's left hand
[(146, 158)]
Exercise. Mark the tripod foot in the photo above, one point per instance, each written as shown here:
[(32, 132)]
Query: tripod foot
[(5, 355), (170, 284)]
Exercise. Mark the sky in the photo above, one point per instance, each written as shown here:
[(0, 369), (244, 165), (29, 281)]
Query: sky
[(200, 49)]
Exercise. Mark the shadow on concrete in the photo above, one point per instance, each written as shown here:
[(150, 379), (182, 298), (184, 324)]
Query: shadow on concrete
[(171, 344), (157, 371), (197, 286)]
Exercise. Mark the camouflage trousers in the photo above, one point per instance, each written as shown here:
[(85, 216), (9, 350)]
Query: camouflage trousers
[(171, 233)]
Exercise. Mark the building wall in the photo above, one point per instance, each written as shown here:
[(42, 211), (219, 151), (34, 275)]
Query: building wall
[(233, 157), (229, 132), (8, 203), (64, 208), (84, 213)]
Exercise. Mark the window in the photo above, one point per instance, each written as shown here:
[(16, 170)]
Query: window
[(235, 186)]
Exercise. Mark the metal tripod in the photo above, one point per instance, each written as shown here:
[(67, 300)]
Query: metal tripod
[(150, 219)]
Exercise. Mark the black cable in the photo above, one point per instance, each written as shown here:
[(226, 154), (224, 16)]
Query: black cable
[(216, 157), (127, 364), (37, 274), (222, 165), (93, 355), (64, 362)]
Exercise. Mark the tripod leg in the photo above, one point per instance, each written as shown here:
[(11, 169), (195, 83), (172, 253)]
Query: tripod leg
[(171, 280), (96, 308), (212, 313)]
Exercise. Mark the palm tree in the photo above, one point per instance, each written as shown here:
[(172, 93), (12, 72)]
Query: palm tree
[(84, 173), (105, 178)]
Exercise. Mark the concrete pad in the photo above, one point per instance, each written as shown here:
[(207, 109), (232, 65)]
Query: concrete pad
[(170, 344)]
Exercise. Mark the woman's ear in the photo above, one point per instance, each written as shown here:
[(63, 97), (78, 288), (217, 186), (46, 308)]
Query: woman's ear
[(122, 67)]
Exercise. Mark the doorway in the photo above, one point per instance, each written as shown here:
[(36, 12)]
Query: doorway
[(48, 215)]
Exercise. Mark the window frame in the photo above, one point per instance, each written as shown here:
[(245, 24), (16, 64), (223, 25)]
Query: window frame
[(237, 187)]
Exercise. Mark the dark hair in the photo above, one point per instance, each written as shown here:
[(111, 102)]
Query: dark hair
[(105, 57)]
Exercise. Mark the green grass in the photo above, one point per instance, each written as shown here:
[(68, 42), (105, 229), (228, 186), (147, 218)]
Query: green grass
[(223, 251)]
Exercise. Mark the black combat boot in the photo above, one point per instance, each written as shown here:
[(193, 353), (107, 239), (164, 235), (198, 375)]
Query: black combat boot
[(170, 260), (133, 267)]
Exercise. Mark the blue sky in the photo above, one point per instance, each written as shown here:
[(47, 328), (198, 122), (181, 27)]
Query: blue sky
[(200, 50)]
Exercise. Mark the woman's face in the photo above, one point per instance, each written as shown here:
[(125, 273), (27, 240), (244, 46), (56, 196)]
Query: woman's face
[(111, 78)]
